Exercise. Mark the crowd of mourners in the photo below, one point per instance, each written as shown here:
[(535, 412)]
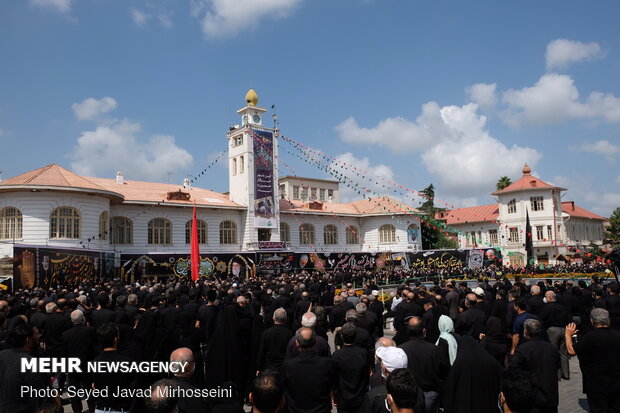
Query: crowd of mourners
[(296, 343), (492, 271)]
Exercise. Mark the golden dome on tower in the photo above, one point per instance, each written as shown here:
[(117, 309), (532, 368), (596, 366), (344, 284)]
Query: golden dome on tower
[(251, 98), (527, 170)]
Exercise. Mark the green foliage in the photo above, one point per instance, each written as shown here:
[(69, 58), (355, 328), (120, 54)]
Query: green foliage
[(432, 238), (612, 232), (503, 183)]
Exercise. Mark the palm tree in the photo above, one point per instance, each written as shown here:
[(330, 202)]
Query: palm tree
[(502, 183)]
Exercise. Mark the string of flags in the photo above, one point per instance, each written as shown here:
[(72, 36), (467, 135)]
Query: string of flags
[(312, 158), (205, 170)]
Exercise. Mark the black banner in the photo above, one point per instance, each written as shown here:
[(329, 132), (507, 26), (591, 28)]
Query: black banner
[(136, 266), (48, 267), (453, 259)]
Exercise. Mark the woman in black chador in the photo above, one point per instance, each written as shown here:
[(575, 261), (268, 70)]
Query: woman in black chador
[(474, 381)]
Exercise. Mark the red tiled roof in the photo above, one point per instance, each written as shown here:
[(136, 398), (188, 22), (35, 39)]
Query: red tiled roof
[(53, 176), (576, 211), (379, 205), (468, 215), (527, 182), (138, 191)]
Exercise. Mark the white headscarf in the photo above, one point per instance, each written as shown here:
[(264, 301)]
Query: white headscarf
[(446, 326)]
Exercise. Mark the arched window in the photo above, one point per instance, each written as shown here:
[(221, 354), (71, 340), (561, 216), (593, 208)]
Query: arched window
[(121, 230), (306, 234), (330, 235), (228, 232), (413, 233), (160, 231), (387, 234), (103, 225), (10, 223), (353, 235), (285, 232), (65, 223), (202, 231)]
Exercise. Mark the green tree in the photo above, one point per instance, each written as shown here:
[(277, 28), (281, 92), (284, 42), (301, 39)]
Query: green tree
[(503, 183), (612, 232), (433, 238)]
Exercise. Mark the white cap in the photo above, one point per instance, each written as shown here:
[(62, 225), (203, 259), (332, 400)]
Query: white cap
[(375, 292), (235, 285), (392, 358), (478, 291)]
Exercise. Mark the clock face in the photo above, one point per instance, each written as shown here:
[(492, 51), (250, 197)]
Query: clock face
[(256, 118), (245, 119)]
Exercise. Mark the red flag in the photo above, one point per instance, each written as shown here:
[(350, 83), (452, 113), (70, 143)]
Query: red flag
[(195, 258)]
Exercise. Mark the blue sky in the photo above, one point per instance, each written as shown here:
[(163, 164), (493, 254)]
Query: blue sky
[(454, 93)]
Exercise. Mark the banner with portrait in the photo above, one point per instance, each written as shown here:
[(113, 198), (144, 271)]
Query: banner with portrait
[(264, 185), (137, 267)]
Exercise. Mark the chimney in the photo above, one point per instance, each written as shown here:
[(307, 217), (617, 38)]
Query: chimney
[(0, 175), (187, 183), (120, 179), (572, 204)]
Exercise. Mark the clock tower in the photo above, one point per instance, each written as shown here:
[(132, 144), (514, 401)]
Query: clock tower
[(252, 171)]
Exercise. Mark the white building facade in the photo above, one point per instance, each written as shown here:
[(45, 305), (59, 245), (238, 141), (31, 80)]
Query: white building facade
[(52, 207), (558, 228)]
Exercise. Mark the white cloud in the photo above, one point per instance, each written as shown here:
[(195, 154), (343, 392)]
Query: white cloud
[(165, 20), (602, 147), (398, 134), (561, 52), (92, 108), (483, 94), (603, 203), (224, 18), (555, 99), (380, 173), (604, 105), (139, 18), (116, 145), (454, 144), (62, 6), (471, 161)]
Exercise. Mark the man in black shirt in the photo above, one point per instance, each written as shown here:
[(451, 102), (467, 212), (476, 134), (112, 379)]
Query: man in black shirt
[(309, 380), (207, 317), (471, 321), (24, 339), (102, 314), (599, 360), (535, 302), (424, 361), (338, 312), (79, 341), (554, 318), (183, 379), (53, 327), (273, 343), (542, 360), (108, 337), (353, 372)]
